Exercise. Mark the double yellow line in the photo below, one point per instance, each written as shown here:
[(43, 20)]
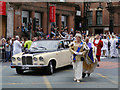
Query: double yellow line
[(114, 82)]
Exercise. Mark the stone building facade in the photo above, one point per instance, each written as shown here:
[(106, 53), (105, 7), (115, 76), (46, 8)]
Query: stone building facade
[(24, 12)]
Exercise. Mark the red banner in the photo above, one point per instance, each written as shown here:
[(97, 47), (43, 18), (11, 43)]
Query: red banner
[(52, 12), (2, 8)]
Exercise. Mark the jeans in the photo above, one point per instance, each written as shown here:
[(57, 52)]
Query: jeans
[(7, 55)]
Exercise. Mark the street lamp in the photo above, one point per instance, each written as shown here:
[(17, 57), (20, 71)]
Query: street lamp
[(110, 8), (100, 6)]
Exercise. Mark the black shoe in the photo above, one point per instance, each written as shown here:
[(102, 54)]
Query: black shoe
[(112, 57), (98, 65), (83, 75), (88, 74)]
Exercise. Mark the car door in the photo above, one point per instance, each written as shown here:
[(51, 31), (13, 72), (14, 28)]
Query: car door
[(60, 54), (67, 54)]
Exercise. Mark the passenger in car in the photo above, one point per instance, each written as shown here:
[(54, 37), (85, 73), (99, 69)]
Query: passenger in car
[(78, 48)]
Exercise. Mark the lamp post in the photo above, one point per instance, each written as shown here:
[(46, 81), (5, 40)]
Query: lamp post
[(110, 8), (86, 9), (47, 18)]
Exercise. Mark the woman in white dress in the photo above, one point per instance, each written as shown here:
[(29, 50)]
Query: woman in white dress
[(105, 47), (79, 49), (113, 49)]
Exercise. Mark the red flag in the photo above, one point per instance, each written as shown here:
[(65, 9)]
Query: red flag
[(52, 12), (2, 8)]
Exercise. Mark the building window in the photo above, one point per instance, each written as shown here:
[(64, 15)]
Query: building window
[(25, 17), (99, 17), (38, 19), (90, 14), (64, 21), (25, 21)]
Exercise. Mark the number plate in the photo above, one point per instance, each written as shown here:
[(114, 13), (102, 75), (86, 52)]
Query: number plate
[(25, 67)]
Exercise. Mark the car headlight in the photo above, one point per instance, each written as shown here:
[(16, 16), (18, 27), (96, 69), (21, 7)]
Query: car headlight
[(35, 59), (41, 58), (13, 59), (18, 58)]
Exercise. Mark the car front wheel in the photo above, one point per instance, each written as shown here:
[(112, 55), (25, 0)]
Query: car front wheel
[(19, 71)]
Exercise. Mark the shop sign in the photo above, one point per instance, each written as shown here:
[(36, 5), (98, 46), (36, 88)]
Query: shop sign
[(78, 13)]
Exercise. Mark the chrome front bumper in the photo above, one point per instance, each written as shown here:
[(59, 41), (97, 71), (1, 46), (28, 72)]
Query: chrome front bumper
[(28, 67)]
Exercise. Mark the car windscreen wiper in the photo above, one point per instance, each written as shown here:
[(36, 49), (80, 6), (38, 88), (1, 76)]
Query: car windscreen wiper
[(35, 48)]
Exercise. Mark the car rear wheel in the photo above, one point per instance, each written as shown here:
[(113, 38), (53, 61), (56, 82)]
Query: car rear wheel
[(50, 69), (19, 71)]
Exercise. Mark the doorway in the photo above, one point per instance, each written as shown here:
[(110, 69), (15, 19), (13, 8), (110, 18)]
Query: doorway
[(78, 23), (98, 31)]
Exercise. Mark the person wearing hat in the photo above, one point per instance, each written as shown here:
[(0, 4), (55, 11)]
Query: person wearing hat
[(78, 48), (17, 46)]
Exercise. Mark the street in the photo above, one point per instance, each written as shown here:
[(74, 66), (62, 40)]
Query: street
[(105, 76), (51, 34)]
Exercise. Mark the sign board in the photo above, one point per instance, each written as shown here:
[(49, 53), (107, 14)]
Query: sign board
[(78, 13), (2, 8), (106, 29), (52, 12)]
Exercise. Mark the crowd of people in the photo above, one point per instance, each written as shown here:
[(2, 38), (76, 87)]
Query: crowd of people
[(86, 52), (11, 46)]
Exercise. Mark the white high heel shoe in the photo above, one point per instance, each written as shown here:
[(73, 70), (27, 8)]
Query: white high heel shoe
[(78, 81), (75, 79)]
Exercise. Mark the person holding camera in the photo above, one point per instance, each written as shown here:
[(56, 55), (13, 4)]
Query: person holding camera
[(78, 48)]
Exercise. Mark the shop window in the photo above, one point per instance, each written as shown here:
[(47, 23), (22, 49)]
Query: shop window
[(25, 17), (38, 19), (25, 21)]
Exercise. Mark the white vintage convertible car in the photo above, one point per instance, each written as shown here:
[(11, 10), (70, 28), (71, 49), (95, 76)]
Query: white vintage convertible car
[(48, 54)]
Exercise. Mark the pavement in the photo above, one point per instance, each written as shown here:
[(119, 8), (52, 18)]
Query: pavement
[(105, 76)]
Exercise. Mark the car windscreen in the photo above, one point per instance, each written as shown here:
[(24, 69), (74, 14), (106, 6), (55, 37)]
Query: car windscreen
[(45, 45)]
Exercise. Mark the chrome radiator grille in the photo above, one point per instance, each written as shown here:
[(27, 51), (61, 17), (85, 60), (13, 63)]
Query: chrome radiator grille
[(27, 60)]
